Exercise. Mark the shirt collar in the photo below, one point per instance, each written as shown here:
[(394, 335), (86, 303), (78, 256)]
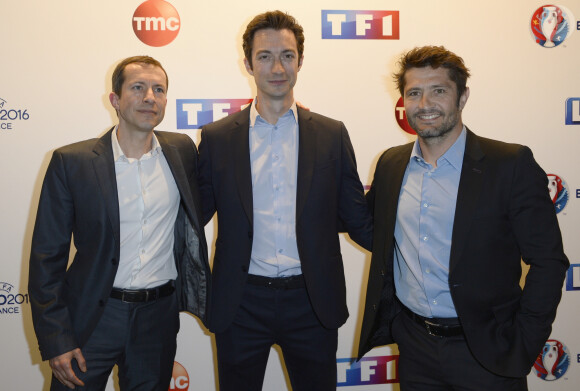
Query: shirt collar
[(254, 115), (118, 151), (454, 155)]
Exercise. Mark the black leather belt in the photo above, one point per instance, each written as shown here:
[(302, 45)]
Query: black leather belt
[(292, 282), (143, 295), (438, 327)]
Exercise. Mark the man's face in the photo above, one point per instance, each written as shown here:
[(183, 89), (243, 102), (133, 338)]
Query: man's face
[(141, 106), (275, 63), (430, 99)]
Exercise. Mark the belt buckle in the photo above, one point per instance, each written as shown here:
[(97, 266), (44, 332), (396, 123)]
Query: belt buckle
[(123, 296), (428, 326)]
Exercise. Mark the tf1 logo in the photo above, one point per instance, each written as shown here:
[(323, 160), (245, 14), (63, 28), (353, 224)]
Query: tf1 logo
[(573, 111), (195, 113), (369, 370), (573, 278), (349, 24)]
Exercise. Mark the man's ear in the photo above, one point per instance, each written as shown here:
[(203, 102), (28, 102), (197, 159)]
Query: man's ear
[(248, 66), (114, 99)]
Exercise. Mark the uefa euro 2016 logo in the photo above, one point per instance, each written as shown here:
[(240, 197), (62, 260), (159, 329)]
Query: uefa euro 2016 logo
[(551, 25), (558, 192), (553, 361)]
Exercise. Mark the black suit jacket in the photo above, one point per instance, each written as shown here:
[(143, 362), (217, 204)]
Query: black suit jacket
[(79, 197), (329, 194), (503, 214)]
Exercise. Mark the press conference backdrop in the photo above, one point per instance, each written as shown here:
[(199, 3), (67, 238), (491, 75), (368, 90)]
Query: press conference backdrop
[(55, 68)]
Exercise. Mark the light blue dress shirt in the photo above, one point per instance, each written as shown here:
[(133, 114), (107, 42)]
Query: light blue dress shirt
[(274, 163), (423, 231)]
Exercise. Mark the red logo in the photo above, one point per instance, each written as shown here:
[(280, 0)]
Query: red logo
[(401, 117), (179, 378), (156, 23)]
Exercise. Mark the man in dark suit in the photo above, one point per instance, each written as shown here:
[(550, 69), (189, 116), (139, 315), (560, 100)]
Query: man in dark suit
[(454, 214), (283, 181), (131, 203)]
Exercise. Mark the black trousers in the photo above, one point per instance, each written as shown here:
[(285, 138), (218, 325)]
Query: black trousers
[(430, 363), (138, 337), (269, 316)]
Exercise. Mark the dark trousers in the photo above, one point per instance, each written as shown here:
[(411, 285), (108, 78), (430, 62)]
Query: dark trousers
[(138, 337), (285, 317), (430, 363)]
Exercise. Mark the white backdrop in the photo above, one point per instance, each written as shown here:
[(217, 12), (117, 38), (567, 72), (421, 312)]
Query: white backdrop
[(55, 69)]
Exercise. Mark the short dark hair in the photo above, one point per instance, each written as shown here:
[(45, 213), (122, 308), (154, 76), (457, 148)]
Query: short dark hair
[(119, 73), (435, 57), (276, 20)]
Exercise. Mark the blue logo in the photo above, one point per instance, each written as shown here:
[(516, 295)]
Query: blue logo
[(195, 113), (369, 370), (349, 24), (573, 278), (573, 111), (10, 299)]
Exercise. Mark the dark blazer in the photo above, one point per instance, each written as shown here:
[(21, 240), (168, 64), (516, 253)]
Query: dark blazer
[(329, 196), (503, 214), (79, 197)]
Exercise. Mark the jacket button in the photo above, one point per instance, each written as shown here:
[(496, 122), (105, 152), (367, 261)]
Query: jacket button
[(250, 234), (374, 307), (101, 303), (244, 268), (114, 262), (382, 273)]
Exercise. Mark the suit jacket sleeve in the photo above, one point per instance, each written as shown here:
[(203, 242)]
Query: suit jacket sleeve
[(48, 262), (536, 229), (353, 211), (205, 179)]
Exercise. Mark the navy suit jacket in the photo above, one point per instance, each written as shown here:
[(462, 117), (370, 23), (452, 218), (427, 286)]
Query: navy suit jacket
[(503, 215), (329, 196), (79, 198)]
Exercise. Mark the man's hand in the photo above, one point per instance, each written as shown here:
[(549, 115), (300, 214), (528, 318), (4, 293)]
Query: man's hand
[(62, 369)]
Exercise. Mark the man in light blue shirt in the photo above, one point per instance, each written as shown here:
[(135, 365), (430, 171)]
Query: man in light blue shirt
[(283, 182), (454, 215)]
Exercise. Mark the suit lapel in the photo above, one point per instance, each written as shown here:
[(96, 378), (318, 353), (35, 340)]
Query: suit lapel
[(306, 158), (391, 186), (470, 183), (240, 151), (104, 166), (179, 175)]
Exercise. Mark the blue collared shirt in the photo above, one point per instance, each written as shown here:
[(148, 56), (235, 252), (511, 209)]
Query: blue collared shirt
[(274, 162), (423, 231)]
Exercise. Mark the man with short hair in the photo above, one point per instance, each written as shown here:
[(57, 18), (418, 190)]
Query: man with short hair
[(454, 215), (131, 202), (283, 181)]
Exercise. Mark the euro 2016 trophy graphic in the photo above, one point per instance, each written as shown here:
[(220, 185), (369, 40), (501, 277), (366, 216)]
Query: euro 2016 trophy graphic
[(548, 23), (553, 361)]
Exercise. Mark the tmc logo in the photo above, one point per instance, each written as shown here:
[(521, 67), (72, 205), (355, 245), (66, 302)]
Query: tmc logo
[(573, 111), (552, 24), (573, 278), (553, 361), (156, 23), (195, 113), (369, 370), (347, 24), (558, 192), (179, 378)]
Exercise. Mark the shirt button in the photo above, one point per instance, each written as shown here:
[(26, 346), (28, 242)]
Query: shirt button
[(425, 205), (425, 238), (435, 302), (143, 251), (427, 271), (280, 251)]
